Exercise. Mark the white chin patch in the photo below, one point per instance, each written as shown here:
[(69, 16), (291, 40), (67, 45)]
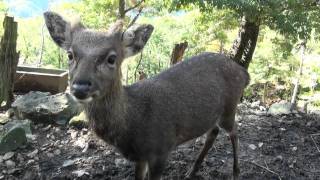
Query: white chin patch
[(83, 101), (87, 100)]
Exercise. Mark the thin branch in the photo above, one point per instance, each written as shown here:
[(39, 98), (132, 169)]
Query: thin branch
[(316, 134), (315, 144), (133, 7), (139, 62), (265, 168), (135, 18), (42, 45)]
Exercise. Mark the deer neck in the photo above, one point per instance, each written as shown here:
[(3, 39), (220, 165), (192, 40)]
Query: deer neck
[(107, 116)]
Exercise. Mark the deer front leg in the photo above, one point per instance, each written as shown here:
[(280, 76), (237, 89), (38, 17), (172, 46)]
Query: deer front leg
[(235, 145), (141, 170), (155, 167), (211, 136)]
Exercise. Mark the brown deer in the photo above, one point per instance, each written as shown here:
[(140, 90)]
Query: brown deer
[(148, 119)]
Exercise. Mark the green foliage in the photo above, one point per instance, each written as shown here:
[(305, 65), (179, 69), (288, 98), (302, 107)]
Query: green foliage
[(95, 14), (295, 19)]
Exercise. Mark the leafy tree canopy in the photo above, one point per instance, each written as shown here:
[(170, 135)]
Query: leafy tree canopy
[(293, 18)]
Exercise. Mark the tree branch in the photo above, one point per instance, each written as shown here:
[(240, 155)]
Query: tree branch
[(135, 18), (133, 7)]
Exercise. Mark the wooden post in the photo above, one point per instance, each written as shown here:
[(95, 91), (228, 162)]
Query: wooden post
[(8, 60), (177, 52), (299, 74)]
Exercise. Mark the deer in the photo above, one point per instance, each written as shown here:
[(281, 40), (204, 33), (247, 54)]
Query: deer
[(148, 119)]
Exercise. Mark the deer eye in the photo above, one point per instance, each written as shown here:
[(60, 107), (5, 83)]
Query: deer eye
[(70, 55), (112, 59)]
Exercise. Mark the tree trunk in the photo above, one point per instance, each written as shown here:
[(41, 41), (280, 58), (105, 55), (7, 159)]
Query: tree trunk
[(42, 46), (177, 52), (122, 10), (243, 47), (8, 60), (299, 74)]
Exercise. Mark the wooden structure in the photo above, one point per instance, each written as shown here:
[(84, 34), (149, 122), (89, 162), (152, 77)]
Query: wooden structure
[(40, 79), (177, 52), (8, 60)]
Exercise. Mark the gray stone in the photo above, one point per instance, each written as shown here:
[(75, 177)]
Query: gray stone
[(57, 152), (120, 162), (14, 135), (25, 124), (68, 163), (8, 155), (10, 164), (281, 108), (3, 119), (33, 153), (45, 108)]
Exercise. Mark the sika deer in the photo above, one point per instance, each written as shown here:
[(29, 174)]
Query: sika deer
[(148, 119)]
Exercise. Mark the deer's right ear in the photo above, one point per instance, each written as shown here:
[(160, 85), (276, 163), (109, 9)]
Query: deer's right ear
[(59, 29)]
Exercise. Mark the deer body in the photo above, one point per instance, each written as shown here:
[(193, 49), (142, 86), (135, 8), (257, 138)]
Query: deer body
[(148, 119)]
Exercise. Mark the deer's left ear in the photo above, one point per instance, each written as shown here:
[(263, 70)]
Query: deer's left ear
[(135, 38)]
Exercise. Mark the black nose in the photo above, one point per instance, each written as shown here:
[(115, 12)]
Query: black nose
[(80, 89)]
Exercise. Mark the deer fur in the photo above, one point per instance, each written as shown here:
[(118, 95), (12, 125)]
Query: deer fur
[(148, 119)]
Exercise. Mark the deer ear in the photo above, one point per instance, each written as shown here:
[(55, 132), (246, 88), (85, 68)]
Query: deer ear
[(135, 38), (59, 29)]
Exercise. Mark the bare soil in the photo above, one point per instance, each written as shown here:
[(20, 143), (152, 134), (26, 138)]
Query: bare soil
[(285, 147)]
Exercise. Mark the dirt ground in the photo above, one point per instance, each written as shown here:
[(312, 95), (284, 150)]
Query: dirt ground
[(285, 147)]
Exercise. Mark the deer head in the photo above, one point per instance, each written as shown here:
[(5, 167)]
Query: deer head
[(95, 58)]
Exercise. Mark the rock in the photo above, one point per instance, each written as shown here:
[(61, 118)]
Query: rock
[(3, 119), (80, 173), (45, 108), (281, 108), (20, 158), (80, 121), (81, 142), (57, 152), (31, 161), (14, 135), (68, 163), (255, 105), (8, 156), (10, 164), (50, 155), (25, 124), (1, 159), (47, 128), (10, 113), (260, 144), (279, 158), (252, 146), (120, 162), (73, 134), (33, 154), (14, 171)]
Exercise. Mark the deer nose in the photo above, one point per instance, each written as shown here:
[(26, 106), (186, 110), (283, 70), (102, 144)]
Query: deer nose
[(80, 89)]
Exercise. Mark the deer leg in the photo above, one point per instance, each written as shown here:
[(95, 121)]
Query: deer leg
[(228, 123), (211, 136), (235, 145), (141, 170), (156, 166)]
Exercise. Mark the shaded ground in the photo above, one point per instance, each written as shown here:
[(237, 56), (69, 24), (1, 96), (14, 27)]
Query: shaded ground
[(270, 148)]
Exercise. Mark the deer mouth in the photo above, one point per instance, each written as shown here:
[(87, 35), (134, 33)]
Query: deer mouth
[(84, 98)]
